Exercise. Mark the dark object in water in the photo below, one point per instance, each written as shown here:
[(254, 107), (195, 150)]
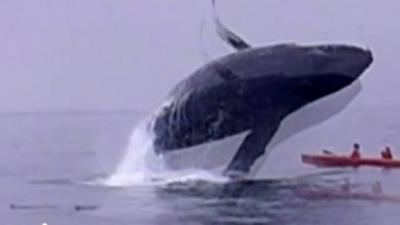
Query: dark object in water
[(32, 207), (51, 207), (85, 207)]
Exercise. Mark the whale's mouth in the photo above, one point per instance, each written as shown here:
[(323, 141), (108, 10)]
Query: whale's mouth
[(310, 88), (359, 61)]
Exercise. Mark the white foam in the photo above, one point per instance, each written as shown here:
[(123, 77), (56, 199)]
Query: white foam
[(141, 166), (193, 175), (134, 168)]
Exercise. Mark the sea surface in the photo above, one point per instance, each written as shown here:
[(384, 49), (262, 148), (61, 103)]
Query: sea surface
[(52, 164)]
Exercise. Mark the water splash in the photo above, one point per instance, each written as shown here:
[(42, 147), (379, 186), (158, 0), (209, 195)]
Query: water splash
[(141, 165), (139, 160)]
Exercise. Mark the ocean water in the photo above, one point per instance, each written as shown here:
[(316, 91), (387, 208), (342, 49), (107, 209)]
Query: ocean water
[(52, 165)]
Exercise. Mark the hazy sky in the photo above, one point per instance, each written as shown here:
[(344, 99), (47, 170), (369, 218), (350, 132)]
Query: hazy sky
[(123, 55)]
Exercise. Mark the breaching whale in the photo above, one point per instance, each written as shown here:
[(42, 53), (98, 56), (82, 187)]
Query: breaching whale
[(252, 90)]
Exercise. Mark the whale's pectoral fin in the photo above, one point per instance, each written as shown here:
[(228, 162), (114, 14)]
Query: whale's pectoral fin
[(227, 35), (252, 147)]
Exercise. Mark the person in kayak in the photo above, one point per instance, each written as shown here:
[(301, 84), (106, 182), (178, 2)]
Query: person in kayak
[(327, 152), (387, 153), (355, 154)]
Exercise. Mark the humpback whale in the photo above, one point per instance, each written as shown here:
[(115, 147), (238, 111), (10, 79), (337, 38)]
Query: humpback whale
[(252, 90)]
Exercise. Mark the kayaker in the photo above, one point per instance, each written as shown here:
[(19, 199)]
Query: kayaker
[(327, 152), (356, 151), (387, 153)]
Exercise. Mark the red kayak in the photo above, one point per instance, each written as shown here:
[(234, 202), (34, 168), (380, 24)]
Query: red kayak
[(325, 160)]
